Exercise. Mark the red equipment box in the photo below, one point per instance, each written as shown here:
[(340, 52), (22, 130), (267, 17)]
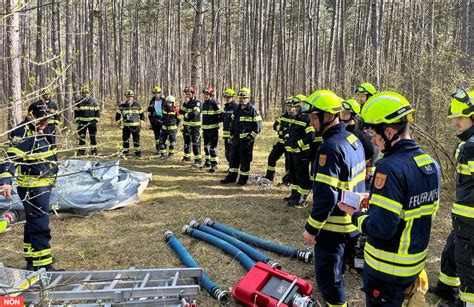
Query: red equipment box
[(267, 286)]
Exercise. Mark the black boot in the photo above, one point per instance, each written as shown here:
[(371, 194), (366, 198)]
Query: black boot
[(270, 175), (291, 196), (230, 178), (242, 180)]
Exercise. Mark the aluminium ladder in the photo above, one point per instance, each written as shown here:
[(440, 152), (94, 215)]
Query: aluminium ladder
[(143, 287)]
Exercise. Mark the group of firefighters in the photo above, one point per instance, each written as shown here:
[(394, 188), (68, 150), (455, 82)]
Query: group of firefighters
[(331, 147)]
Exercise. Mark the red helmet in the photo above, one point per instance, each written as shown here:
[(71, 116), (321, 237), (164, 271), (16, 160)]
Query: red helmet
[(208, 90), (190, 89)]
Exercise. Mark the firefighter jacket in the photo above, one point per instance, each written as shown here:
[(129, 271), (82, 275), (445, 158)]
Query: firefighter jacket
[(171, 118), (211, 114), (87, 110), (299, 135), (247, 123), (463, 208), (404, 197), (55, 120), (229, 109), (191, 112), (280, 126), (32, 156), (129, 115), (369, 149), (340, 166), (155, 115)]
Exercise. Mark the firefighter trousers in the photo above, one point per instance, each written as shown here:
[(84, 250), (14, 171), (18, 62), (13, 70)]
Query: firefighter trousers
[(227, 148), (241, 157), (169, 135), (278, 150), (37, 234), (379, 292), (128, 131), (82, 128), (156, 127), (211, 139), (192, 139), (448, 280), (299, 172)]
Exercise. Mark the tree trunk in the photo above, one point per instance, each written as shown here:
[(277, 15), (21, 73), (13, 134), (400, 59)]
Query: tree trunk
[(196, 46), (14, 63)]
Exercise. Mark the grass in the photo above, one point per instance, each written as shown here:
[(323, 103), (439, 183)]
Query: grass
[(178, 193)]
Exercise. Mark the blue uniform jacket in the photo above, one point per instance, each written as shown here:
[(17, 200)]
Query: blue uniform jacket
[(403, 200), (340, 166)]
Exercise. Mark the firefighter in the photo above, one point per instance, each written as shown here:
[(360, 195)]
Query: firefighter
[(278, 149), (246, 125), (171, 120), (87, 116), (298, 138), (457, 266), (55, 120), (191, 111), (350, 116), (230, 107), (33, 154), (155, 114), (130, 117), (211, 117), (404, 197), (340, 166), (364, 91)]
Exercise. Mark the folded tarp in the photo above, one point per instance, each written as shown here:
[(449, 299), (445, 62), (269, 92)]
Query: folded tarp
[(85, 187)]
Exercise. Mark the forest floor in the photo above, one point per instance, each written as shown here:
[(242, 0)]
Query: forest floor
[(178, 193)]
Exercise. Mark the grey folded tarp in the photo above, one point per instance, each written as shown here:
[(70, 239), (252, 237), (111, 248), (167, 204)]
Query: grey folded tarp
[(85, 187)]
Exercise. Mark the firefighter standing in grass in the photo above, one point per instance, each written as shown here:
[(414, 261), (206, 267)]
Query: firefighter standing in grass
[(278, 149), (457, 261), (191, 111), (87, 116), (32, 153), (403, 199), (340, 166), (155, 114), (130, 117), (298, 138), (230, 107), (171, 119), (211, 117), (246, 125)]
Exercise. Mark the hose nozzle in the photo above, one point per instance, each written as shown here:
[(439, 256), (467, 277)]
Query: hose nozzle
[(194, 224), (168, 235), (273, 264), (208, 222), (222, 296), (305, 256), (186, 229)]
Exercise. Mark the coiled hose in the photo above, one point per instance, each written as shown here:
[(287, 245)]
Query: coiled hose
[(222, 296), (305, 256)]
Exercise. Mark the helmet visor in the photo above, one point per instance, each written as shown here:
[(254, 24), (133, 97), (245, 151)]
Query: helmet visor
[(347, 106), (462, 96)]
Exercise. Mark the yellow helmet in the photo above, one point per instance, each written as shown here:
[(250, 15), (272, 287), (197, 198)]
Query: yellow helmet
[(366, 88), (351, 105), (289, 101), (85, 89), (462, 104), (386, 108), (244, 93), (323, 101), (228, 92), (156, 89), (299, 99), (129, 93)]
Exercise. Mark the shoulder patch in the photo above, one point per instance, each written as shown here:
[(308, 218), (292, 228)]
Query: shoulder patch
[(380, 180), (322, 160), (198, 103)]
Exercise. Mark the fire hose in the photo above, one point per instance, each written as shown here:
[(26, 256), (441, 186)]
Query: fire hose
[(230, 249), (222, 296), (250, 251), (305, 256)]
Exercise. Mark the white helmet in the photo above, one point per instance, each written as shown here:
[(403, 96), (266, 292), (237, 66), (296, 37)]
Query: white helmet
[(170, 99)]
